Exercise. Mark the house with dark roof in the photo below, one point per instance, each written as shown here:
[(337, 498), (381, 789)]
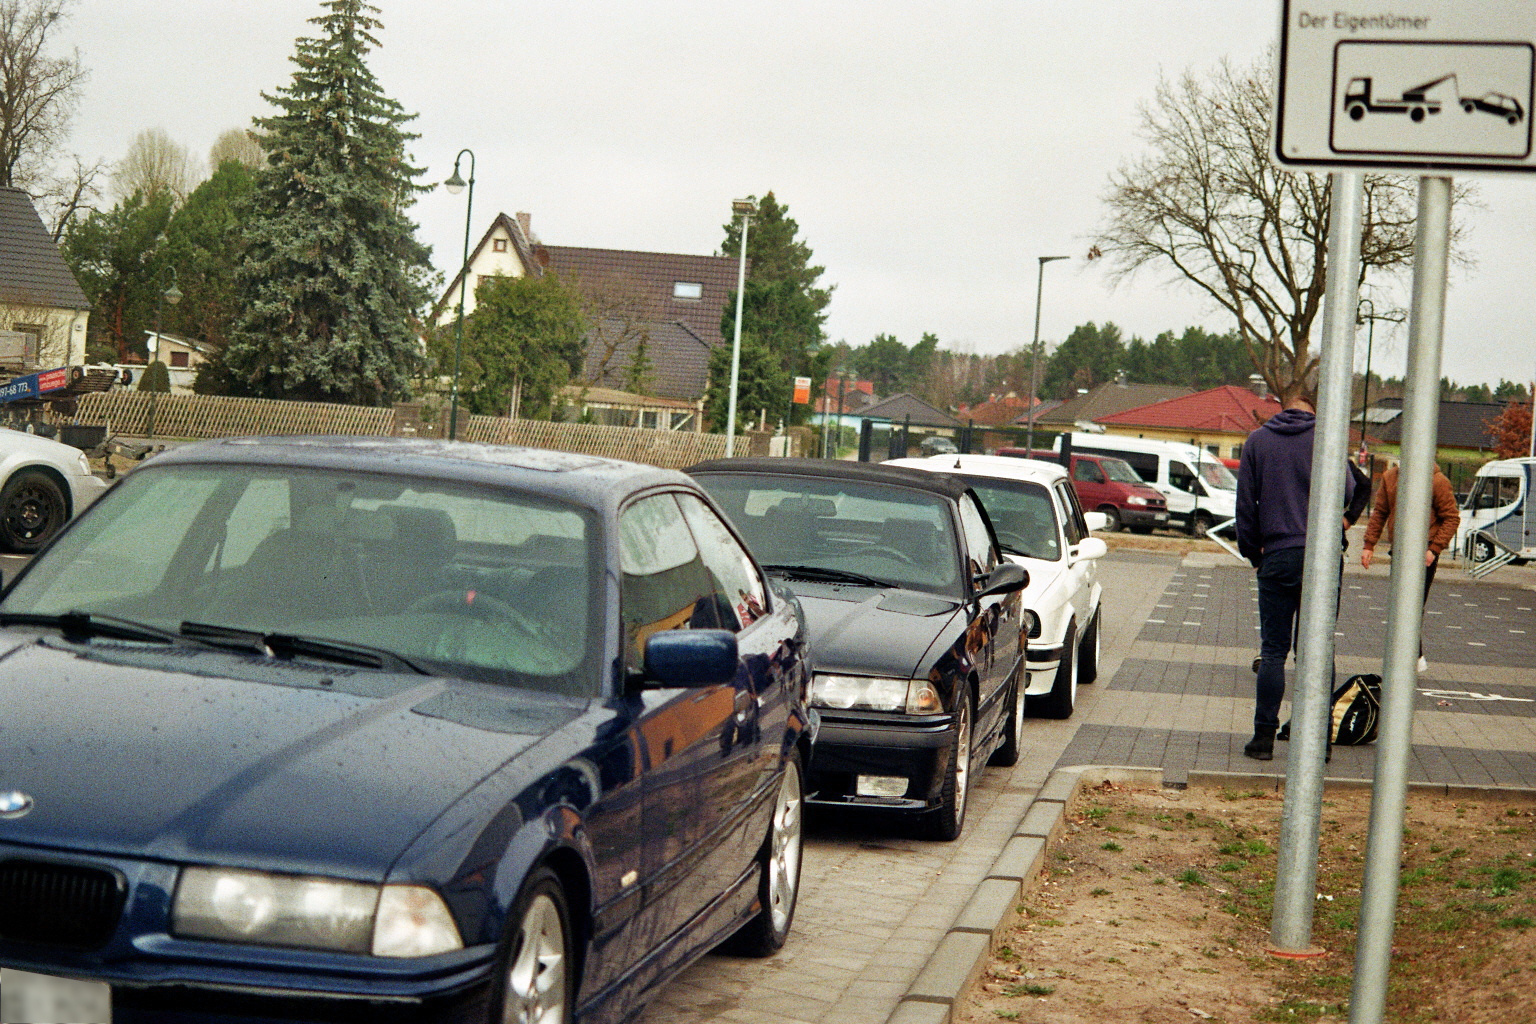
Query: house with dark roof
[(1084, 411), (1463, 426), (907, 407), (1218, 420), (656, 316), (43, 311)]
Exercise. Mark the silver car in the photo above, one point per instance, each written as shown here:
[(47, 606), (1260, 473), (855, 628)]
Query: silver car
[(43, 485)]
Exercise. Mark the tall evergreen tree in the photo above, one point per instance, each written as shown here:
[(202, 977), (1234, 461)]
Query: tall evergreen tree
[(332, 276)]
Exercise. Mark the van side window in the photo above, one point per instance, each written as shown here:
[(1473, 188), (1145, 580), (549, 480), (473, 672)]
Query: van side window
[(1088, 472), (1180, 475)]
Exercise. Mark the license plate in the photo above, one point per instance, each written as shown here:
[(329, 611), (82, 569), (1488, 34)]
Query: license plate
[(44, 999), (1161, 517)]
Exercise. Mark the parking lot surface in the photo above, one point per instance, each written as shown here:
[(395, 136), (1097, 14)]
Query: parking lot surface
[(1175, 692)]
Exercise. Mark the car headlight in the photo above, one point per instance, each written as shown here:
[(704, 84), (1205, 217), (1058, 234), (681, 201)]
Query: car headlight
[(312, 913), (1135, 500), (875, 693), (1031, 624)]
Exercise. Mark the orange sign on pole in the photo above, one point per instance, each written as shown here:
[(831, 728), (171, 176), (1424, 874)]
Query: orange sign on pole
[(802, 391)]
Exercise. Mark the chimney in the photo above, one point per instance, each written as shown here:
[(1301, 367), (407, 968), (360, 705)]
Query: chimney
[(1119, 378), (525, 222), (1256, 383)]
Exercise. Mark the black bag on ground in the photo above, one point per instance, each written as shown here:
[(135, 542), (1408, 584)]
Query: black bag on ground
[(1356, 712)]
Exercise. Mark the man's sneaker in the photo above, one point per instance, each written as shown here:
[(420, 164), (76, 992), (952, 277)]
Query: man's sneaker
[(1423, 665)]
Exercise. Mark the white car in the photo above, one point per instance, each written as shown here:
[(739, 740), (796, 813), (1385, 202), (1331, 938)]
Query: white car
[(43, 485), (1041, 526)]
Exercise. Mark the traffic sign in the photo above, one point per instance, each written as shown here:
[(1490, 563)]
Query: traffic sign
[(1446, 85)]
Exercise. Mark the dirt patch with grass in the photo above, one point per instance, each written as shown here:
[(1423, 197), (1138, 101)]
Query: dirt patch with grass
[(1154, 906)]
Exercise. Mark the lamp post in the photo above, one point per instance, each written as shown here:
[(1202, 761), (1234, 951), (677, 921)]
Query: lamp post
[(745, 209), (172, 295), (1363, 317), (1034, 352), (455, 185)]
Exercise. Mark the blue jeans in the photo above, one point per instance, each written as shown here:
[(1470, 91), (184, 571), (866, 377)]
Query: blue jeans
[(1279, 603)]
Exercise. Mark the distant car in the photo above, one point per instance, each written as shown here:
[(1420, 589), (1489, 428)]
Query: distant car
[(937, 445), (43, 484), (385, 729), (1042, 527), (915, 622)]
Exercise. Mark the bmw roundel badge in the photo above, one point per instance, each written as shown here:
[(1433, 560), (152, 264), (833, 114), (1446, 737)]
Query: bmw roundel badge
[(14, 803)]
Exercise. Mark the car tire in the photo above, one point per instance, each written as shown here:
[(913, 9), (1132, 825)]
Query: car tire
[(1088, 651), (32, 510), (1111, 519), (1201, 524), (778, 864), (1007, 755), (1060, 702), (536, 984), (945, 822)]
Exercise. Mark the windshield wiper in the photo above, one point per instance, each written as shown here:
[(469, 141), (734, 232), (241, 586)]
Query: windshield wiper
[(818, 572), (79, 625), (285, 645)]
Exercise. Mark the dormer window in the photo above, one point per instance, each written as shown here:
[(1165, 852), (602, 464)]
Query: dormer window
[(687, 290)]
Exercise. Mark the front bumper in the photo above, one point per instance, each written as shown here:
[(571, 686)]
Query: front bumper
[(1143, 516), (1041, 662), (851, 744)]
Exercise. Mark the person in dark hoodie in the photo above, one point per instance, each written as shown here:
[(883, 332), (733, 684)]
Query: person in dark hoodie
[(1274, 483)]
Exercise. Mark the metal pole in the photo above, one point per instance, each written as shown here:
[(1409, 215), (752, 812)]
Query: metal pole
[(745, 209), (842, 391), (458, 329), (1296, 865), (1034, 351), (1370, 339), (1405, 602)]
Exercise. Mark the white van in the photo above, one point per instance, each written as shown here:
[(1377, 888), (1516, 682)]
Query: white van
[(1499, 504), (1200, 489)]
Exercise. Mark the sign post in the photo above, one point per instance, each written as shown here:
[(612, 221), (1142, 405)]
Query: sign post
[(1435, 89)]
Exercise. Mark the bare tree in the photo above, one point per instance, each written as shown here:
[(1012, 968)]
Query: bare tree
[(619, 314), (156, 164), (1208, 203), (37, 91), (66, 197), (237, 144)]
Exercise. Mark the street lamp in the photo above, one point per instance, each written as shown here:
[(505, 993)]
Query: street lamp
[(172, 294), (1369, 318), (455, 185), (745, 209), (1034, 352)]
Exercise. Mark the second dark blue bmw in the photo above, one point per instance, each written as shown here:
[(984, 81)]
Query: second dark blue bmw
[(321, 729)]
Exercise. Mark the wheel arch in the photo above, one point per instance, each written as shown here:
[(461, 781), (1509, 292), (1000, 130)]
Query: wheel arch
[(52, 474), (571, 871)]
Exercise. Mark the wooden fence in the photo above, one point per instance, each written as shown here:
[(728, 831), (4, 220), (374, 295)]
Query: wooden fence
[(195, 417)]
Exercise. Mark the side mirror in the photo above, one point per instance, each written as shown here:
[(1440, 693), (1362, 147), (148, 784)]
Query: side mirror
[(1007, 578), (1090, 548), (1095, 521), (690, 657)]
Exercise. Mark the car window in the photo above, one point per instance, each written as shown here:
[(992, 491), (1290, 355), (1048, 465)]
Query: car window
[(1180, 475), (1073, 525), (666, 584), (730, 565), (367, 559), (981, 553), (898, 535), (1022, 514), (1120, 471), (1087, 471)]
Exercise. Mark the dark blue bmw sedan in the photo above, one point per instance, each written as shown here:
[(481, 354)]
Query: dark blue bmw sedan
[(330, 729)]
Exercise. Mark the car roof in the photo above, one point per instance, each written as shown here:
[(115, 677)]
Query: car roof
[(578, 479), (837, 469), (1003, 467)]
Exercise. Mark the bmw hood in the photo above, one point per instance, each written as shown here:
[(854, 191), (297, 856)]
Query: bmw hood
[(197, 756), (875, 632)]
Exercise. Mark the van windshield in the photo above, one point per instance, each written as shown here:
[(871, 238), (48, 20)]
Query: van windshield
[(1217, 475), (1120, 471)]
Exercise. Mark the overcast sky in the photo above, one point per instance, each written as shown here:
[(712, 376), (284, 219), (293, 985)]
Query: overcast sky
[(930, 152)]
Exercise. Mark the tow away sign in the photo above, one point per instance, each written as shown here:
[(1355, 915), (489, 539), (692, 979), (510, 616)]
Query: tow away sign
[(1426, 86)]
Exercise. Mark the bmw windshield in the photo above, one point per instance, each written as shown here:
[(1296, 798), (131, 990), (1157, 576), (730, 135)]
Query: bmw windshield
[(481, 583)]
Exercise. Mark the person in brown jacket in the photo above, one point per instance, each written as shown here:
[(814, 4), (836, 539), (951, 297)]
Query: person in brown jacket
[(1444, 517)]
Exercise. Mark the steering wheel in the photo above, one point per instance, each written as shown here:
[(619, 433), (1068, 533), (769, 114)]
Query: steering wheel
[(884, 549), (475, 604)]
